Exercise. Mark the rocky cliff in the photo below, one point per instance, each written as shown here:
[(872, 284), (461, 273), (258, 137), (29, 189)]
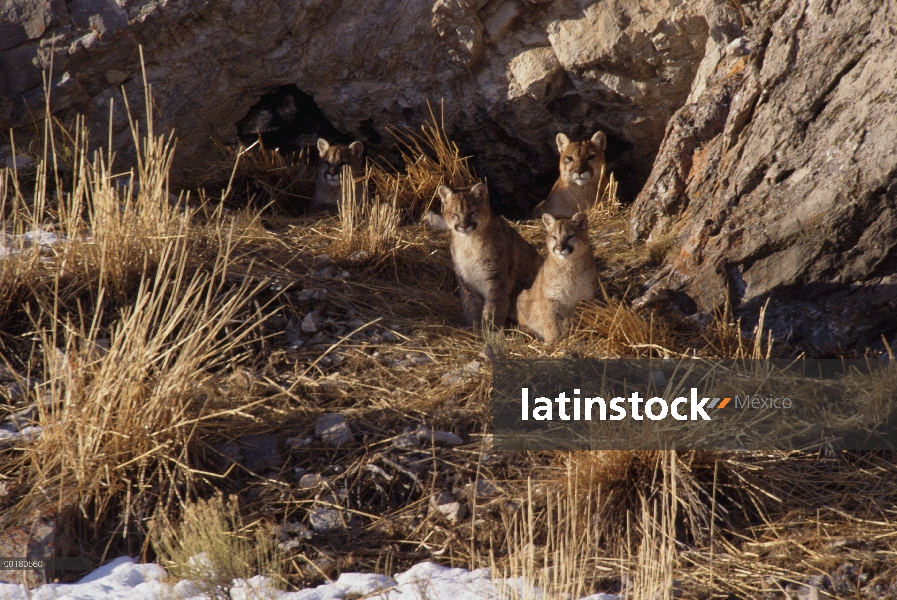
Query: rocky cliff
[(778, 179), (512, 73)]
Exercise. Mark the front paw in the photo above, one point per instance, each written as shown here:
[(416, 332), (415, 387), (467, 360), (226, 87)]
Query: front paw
[(488, 316)]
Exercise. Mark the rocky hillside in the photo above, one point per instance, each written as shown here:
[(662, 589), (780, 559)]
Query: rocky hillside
[(778, 180), (512, 73), (774, 120)]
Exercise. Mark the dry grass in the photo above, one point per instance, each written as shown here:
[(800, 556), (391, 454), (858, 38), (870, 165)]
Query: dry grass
[(430, 159), (367, 225), (263, 178), (160, 330), (133, 315), (211, 547)]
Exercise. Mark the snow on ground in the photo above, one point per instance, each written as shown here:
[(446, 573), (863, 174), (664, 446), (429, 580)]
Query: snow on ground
[(13, 244), (124, 578)]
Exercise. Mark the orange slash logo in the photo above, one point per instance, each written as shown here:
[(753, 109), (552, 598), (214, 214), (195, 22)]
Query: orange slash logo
[(719, 403)]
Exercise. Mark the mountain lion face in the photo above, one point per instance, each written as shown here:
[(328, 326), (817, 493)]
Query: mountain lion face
[(333, 157), (581, 161), (566, 237), (464, 211)]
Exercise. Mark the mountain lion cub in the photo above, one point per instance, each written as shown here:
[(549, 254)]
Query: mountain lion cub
[(333, 157), (582, 165), (567, 277), (492, 262)]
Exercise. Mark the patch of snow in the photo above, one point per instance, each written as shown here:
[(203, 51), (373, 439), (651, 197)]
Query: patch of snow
[(124, 578), (14, 244)]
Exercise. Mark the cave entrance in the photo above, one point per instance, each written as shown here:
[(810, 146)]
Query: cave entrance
[(287, 118)]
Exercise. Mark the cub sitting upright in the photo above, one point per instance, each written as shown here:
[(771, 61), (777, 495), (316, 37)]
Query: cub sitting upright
[(333, 157), (582, 165), (567, 277), (492, 262)]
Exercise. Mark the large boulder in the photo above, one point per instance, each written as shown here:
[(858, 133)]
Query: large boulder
[(777, 182), (512, 73)]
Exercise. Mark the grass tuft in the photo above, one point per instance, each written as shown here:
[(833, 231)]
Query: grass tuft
[(430, 159)]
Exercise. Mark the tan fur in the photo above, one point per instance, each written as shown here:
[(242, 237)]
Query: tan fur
[(492, 262), (581, 178), (567, 277), (333, 157)]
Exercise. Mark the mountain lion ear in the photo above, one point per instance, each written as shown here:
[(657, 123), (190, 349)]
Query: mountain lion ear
[(444, 192), (323, 147), (581, 221), (600, 140), (562, 141), (548, 220), (357, 148), (480, 191)]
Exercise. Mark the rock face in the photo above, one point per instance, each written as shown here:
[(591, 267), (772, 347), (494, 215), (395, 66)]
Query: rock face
[(512, 73), (778, 180)]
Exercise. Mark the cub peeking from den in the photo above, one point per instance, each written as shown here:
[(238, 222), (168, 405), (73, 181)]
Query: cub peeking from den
[(328, 187), (567, 277), (492, 262), (582, 177)]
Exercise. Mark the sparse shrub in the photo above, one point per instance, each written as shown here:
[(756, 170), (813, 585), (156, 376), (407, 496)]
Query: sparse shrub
[(212, 547)]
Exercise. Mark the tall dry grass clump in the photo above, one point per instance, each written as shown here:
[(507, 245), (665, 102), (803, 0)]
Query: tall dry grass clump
[(119, 424), (135, 314), (430, 159), (367, 225), (211, 547)]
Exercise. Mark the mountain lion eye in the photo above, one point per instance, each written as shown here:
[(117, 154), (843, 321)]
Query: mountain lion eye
[(569, 159)]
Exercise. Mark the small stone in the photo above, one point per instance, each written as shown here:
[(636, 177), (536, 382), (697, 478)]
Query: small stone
[(447, 438), (333, 429), (459, 376), (419, 359), (309, 481), (389, 336), (482, 489), (323, 260), (446, 505), (260, 452), (116, 77), (406, 442), (230, 453), (324, 519), (326, 272), (312, 322), (299, 442), (344, 275), (311, 294)]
